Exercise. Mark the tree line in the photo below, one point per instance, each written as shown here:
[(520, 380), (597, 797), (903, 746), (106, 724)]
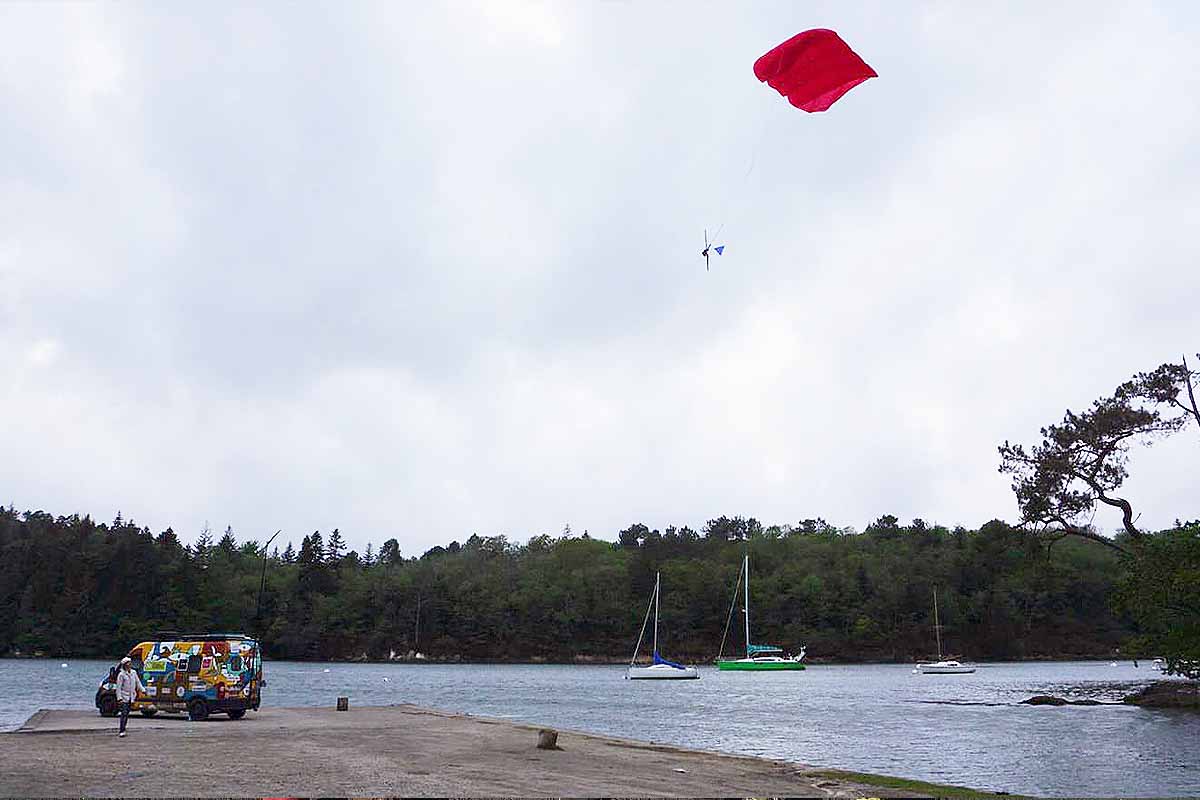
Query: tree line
[(72, 587)]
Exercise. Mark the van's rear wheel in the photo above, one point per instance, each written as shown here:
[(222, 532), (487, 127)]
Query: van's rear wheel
[(237, 713), (149, 712), (197, 710), (108, 706)]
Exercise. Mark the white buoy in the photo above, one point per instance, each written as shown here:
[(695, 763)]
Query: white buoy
[(385, 680), (325, 670), (64, 665)]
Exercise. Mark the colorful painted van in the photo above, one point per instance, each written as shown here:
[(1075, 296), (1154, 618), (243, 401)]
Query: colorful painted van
[(216, 673)]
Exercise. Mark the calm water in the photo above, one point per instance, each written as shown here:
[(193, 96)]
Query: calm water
[(961, 729)]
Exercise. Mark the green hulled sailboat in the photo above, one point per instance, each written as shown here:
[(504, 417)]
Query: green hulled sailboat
[(759, 657)]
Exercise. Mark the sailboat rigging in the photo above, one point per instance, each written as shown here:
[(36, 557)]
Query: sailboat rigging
[(660, 668), (758, 656), (942, 666)]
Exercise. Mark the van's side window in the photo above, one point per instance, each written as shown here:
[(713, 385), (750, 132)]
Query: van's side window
[(194, 664), (235, 663)]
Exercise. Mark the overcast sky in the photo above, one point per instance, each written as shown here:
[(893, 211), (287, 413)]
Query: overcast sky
[(421, 272)]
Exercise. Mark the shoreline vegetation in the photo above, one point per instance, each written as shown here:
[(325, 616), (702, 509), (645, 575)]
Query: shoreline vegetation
[(76, 588), (917, 787), (72, 588)]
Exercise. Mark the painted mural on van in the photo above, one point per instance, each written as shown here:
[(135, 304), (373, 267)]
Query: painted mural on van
[(196, 675)]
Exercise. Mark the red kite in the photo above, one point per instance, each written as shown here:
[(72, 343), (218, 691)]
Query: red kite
[(813, 69)]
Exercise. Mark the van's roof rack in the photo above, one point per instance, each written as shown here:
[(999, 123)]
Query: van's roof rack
[(163, 636)]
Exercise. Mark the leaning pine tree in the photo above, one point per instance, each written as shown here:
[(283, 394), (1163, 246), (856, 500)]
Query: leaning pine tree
[(1081, 464)]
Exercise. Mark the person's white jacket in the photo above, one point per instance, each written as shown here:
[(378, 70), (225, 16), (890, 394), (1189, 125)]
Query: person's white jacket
[(128, 686)]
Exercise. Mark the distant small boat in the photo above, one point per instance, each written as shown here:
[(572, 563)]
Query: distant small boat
[(949, 667), (1159, 664), (942, 666), (660, 668)]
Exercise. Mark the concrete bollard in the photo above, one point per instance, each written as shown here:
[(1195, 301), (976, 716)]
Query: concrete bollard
[(548, 739), (343, 704)]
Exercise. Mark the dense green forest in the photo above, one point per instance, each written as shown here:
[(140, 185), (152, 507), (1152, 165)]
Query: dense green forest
[(72, 587)]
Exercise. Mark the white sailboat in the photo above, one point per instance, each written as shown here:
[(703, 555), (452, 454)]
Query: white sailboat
[(942, 666), (660, 668)]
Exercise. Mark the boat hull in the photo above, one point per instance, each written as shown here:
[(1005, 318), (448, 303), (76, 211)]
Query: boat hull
[(750, 665), (944, 669), (662, 672)]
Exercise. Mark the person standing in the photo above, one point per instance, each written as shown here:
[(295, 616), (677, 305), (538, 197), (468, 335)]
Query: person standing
[(128, 687)]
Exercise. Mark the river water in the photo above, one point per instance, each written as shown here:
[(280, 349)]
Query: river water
[(959, 729)]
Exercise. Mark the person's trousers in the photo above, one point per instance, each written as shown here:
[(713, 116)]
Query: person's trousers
[(125, 707)]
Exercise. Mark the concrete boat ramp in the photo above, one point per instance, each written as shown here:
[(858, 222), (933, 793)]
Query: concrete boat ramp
[(376, 751)]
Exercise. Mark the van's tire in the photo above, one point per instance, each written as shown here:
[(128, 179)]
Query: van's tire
[(236, 713), (197, 710), (149, 712), (108, 706)]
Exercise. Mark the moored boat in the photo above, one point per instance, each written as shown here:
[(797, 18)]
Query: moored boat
[(766, 657), (759, 657), (660, 668), (949, 667), (942, 666)]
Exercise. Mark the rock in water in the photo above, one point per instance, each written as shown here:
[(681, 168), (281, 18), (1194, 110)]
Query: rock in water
[(1047, 700), (343, 704), (1167, 694), (548, 739)]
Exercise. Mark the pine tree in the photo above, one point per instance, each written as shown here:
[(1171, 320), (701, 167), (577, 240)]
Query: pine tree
[(167, 540), (289, 555), (390, 552), (369, 556), (204, 545), (228, 544), (336, 547)]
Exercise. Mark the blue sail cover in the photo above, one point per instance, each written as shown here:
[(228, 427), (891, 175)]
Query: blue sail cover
[(660, 660), (764, 648)]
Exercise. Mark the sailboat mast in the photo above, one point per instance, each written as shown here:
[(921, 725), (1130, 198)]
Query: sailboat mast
[(937, 628), (656, 577), (746, 569)]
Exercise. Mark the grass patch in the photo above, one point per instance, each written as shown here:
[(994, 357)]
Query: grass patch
[(922, 788)]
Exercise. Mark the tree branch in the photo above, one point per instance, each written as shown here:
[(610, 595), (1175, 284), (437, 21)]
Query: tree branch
[(1126, 511), (1187, 375), (1116, 502), (1084, 533)]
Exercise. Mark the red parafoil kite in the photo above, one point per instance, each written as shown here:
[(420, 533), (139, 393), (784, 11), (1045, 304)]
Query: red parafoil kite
[(813, 69)]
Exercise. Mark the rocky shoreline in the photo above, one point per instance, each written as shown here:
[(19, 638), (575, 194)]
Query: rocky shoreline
[(1167, 694), (1160, 694)]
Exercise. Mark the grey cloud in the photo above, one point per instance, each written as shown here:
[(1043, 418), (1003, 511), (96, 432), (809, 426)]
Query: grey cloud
[(424, 273)]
